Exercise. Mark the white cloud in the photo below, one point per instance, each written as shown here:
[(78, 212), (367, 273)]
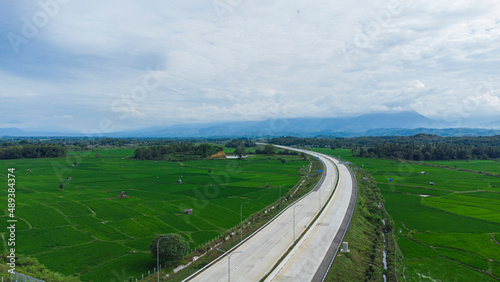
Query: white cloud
[(298, 56), (62, 117), (416, 85)]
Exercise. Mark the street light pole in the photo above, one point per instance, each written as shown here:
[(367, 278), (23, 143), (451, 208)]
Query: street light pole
[(319, 190), (280, 195), (158, 256), (229, 265), (294, 222), (241, 220)]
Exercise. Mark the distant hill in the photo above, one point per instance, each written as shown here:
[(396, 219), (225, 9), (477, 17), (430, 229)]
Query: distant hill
[(381, 124), (289, 126), (11, 132), (16, 132)]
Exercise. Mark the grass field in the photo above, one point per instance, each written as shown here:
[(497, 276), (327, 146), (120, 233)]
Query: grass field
[(447, 231), (87, 231)]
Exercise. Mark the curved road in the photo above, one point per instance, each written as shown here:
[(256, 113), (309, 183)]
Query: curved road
[(312, 257), (261, 252)]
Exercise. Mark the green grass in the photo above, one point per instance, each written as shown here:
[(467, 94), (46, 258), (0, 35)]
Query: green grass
[(441, 269), (102, 231), (480, 244), (42, 240), (71, 208), (141, 244), (55, 223), (465, 258), (200, 237), (365, 241), (410, 211), (444, 231), (155, 225), (109, 210), (495, 269), (77, 259), (122, 268), (414, 250), (40, 216), (480, 208), (131, 228), (473, 165)]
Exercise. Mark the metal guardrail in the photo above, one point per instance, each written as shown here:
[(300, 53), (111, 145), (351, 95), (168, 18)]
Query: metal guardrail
[(323, 175), (16, 276), (339, 237)]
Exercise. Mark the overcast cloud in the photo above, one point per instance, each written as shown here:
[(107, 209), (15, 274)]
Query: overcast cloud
[(114, 65)]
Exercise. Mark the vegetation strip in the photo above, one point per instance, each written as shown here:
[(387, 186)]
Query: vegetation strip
[(327, 262)]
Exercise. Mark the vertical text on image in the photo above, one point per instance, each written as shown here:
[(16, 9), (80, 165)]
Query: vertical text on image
[(11, 221)]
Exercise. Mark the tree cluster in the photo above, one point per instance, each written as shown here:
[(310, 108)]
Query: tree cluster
[(234, 143), (419, 147), (268, 149), (32, 151), (171, 249), (175, 151), (427, 152)]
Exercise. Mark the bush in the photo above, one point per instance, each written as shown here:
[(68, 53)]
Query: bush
[(172, 249)]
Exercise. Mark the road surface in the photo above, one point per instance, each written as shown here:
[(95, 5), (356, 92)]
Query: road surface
[(309, 261), (261, 252)]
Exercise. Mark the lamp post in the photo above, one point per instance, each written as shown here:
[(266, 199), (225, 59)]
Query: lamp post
[(280, 195), (294, 222), (158, 256), (241, 220), (319, 191), (229, 265)]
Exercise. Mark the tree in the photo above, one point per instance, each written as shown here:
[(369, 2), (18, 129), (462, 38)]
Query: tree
[(240, 152), (269, 149), (172, 249)]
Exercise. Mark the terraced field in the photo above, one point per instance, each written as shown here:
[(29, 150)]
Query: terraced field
[(448, 230), (87, 230)]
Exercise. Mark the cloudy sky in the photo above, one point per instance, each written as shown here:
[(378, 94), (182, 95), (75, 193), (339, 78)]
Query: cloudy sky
[(92, 66)]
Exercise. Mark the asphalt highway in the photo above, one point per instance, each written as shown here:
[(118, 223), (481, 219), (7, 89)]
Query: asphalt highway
[(260, 253)]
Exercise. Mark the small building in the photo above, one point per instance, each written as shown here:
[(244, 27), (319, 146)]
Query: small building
[(431, 183), (365, 178), (390, 179), (423, 172), (188, 211)]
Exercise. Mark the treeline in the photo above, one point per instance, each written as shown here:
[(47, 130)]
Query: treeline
[(271, 150), (355, 142), (176, 151), (419, 147), (88, 143), (427, 152), (32, 151), (234, 143)]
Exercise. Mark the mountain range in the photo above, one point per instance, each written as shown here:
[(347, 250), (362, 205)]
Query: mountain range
[(381, 124)]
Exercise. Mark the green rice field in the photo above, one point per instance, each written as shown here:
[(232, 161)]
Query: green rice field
[(448, 230), (88, 230)]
